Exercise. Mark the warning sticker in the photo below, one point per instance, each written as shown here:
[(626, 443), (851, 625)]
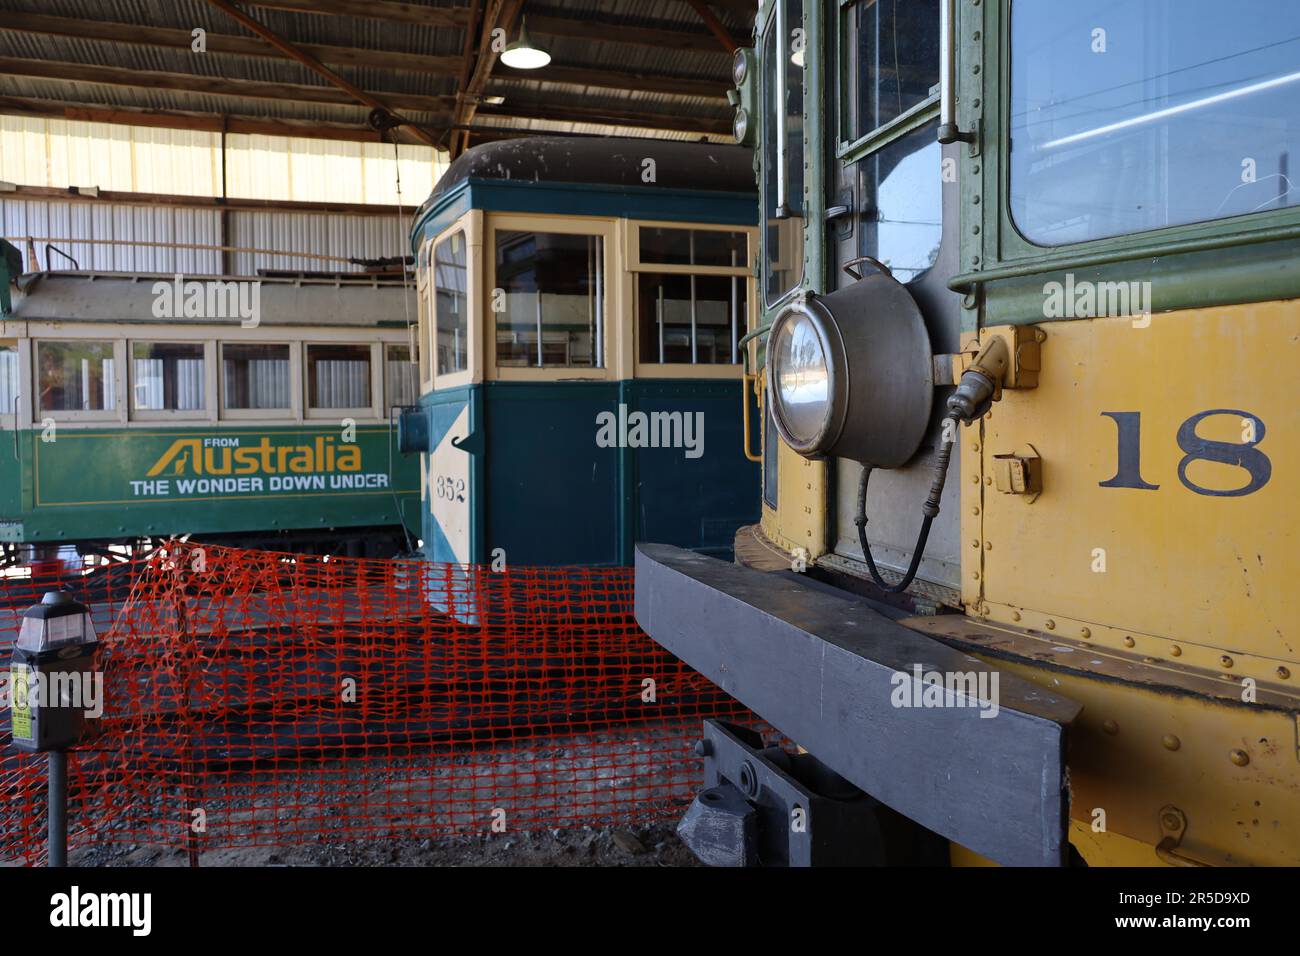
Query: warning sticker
[(19, 707)]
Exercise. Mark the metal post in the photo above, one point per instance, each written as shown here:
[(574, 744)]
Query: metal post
[(58, 808)]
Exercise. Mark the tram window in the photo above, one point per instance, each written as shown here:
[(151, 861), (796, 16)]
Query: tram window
[(338, 376), (76, 376), (696, 247), (783, 240), (1132, 117), (890, 53), (691, 320), (255, 376), (167, 376), (553, 287), (400, 386), (8, 377), (902, 206), (450, 304)]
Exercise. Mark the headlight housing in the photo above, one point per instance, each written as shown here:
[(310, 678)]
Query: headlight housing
[(740, 125), (851, 374), (740, 65)]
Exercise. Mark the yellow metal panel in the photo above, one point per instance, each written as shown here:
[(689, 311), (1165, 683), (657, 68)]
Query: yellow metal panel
[(800, 518), (1178, 568)]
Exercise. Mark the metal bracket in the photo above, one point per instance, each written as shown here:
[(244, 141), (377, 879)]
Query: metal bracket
[(1173, 824), (762, 806)]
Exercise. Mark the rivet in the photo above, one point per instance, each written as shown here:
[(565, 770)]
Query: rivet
[(1171, 742), (1051, 625), (1176, 651), (1149, 660), (988, 416), (974, 479), (975, 510), (977, 106), (1110, 727), (1129, 642), (988, 545), (976, 167), (1170, 821), (975, 575), (1015, 615), (975, 260), (975, 200), (975, 68), (974, 446), (975, 544), (1225, 661), (1085, 633), (1239, 757), (988, 481), (1284, 673), (1040, 335), (975, 230)]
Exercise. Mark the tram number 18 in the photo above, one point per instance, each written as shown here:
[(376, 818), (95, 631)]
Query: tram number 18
[(1244, 454)]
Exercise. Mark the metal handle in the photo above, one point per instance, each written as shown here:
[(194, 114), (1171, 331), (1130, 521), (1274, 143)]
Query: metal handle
[(949, 132), (871, 260), (782, 127), (745, 379)]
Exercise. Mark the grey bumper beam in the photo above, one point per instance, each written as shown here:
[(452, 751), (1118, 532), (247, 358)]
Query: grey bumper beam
[(979, 759)]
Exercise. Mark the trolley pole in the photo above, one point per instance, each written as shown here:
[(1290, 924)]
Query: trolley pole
[(58, 809)]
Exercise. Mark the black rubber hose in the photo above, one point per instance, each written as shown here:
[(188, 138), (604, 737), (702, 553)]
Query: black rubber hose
[(930, 510)]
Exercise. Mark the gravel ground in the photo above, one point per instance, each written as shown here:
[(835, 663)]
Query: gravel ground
[(656, 845)]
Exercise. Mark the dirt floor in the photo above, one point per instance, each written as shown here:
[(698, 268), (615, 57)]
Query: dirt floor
[(656, 845)]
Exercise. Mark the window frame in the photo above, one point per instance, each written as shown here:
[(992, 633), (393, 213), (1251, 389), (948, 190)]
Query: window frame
[(770, 14), (116, 414), (1008, 253), (635, 267), (384, 346), (849, 151), (607, 231), (295, 409), (206, 413), (360, 411), (471, 226)]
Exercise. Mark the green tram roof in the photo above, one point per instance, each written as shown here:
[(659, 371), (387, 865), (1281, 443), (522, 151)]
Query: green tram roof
[(691, 182)]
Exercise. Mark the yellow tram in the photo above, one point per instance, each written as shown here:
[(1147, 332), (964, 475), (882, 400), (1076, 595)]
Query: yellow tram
[(1031, 270)]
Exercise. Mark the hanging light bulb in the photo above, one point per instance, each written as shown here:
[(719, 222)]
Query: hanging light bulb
[(522, 55)]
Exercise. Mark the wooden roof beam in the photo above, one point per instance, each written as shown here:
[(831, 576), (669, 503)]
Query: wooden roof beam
[(383, 115), (715, 25), (412, 13), (213, 86), (180, 119)]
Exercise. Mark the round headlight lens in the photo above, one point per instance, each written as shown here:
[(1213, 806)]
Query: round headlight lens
[(740, 125), (739, 67), (801, 379)]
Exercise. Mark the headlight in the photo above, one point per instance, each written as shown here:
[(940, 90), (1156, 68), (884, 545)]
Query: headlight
[(801, 379), (740, 66), (740, 125), (851, 374)]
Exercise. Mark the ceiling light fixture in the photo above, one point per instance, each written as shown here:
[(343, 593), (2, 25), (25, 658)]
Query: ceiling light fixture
[(522, 55)]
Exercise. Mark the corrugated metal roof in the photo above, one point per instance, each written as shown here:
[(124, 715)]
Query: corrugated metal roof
[(549, 105)]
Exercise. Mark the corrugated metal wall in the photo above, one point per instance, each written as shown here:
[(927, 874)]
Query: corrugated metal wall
[(337, 234)]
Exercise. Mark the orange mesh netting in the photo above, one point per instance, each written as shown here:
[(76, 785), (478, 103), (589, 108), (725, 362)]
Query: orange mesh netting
[(256, 698)]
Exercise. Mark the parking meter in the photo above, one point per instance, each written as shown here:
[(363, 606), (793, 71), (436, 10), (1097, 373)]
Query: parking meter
[(54, 683), (52, 675)]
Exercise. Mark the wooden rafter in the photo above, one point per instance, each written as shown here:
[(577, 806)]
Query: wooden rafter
[(214, 86), (499, 14), (319, 68), (181, 119), (413, 13), (715, 25)]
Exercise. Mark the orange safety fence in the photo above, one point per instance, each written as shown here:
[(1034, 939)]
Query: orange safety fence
[(254, 698)]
